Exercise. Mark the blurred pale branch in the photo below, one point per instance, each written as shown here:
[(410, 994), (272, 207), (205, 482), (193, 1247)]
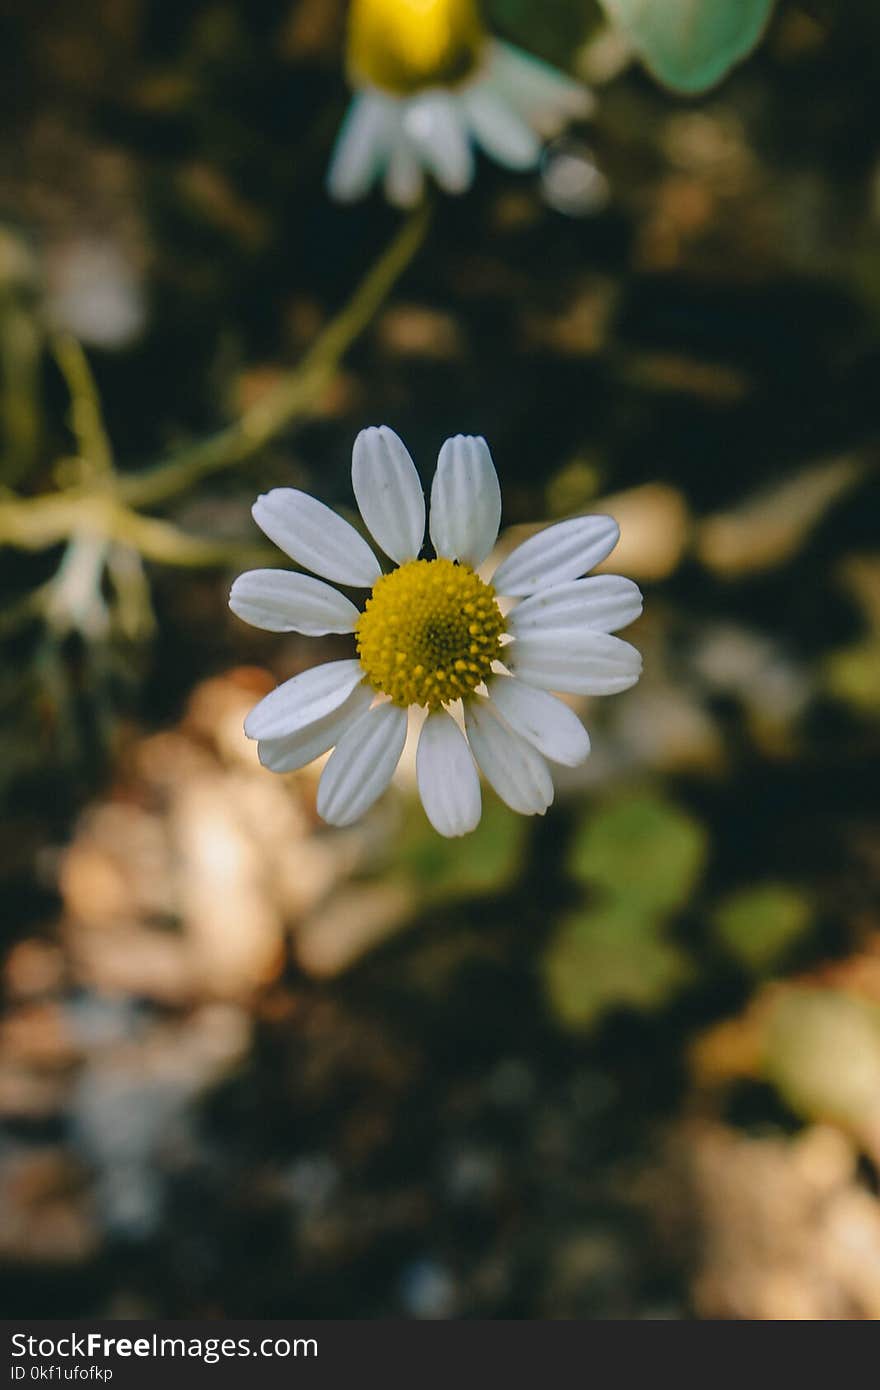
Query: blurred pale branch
[(294, 396), (101, 503), (95, 456), (37, 523)]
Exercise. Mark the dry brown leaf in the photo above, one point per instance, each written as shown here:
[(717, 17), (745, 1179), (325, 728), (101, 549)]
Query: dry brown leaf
[(769, 529)]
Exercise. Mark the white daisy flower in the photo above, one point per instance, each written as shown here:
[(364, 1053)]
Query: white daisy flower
[(430, 83), (432, 635)]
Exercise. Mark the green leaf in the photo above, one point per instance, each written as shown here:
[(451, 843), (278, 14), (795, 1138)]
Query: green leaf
[(608, 958), (690, 44), (757, 925), (642, 850)]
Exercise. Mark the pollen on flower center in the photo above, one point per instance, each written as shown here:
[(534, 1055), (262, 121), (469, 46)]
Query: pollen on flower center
[(403, 46), (429, 633)]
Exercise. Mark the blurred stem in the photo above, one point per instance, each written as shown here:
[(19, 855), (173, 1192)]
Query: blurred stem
[(20, 389), (86, 417), (105, 504), (39, 522), (134, 605), (75, 602), (294, 396), (166, 544)]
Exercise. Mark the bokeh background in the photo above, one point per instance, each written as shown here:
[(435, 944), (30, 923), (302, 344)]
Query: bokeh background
[(620, 1062)]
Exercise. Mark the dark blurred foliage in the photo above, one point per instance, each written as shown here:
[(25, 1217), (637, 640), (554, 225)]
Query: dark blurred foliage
[(624, 1062)]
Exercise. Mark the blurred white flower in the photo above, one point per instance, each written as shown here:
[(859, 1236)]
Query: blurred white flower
[(430, 83), (432, 635)]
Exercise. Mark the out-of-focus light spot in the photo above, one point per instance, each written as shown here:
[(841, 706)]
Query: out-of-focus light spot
[(822, 1051), (605, 57), (414, 330), (579, 326), (654, 521), (311, 1182), (736, 661), (32, 967), (714, 147), (571, 181), (95, 292), (428, 1290), (769, 528)]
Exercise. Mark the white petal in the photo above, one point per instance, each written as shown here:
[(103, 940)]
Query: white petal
[(303, 700), (604, 603), (465, 501), (514, 768), (362, 765), (545, 97), (362, 146), (557, 555), (434, 123), (281, 601), (587, 663), (316, 537), (449, 783), (301, 748), (542, 720), (389, 492), (404, 179), (503, 134)]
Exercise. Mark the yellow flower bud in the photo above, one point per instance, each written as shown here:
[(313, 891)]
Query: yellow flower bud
[(402, 46)]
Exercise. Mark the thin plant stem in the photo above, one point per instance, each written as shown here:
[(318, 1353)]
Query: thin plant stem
[(108, 504), (293, 397)]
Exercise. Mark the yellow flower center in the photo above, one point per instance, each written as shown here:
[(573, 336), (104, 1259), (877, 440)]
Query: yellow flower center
[(429, 633), (403, 46)]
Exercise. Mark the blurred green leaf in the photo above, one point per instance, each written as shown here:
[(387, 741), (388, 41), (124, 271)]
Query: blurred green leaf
[(485, 862), (853, 675), (609, 957), (757, 925), (689, 45), (643, 850)]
